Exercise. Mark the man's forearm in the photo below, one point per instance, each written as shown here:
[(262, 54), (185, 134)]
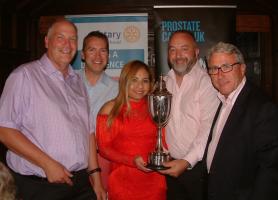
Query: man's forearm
[(17, 142)]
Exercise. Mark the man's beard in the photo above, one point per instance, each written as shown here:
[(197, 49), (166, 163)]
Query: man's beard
[(183, 69)]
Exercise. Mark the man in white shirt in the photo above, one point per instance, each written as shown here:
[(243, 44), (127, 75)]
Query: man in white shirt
[(193, 107)]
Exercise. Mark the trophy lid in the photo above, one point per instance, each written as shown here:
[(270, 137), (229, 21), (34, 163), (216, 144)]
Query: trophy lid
[(160, 88)]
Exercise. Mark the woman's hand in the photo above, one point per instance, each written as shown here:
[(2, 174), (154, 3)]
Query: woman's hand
[(141, 164), (97, 186)]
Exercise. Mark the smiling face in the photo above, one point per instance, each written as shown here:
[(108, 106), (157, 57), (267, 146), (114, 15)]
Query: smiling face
[(61, 44), (95, 54), (139, 85), (227, 82), (182, 52)]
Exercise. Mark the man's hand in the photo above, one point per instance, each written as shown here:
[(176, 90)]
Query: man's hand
[(177, 167), (57, 173)]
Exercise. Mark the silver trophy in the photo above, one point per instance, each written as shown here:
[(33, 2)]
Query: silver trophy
[(159, 102)]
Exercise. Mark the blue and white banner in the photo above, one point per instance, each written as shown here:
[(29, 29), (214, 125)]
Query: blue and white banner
[(127, 34)]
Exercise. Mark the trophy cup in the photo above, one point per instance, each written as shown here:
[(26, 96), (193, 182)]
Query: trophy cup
[(159, 102)]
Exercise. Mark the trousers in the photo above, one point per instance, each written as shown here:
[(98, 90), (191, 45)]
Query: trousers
[(37, 188), (190, 185)]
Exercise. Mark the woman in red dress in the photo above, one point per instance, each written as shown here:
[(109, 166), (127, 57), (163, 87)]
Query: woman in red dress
[(126, 135)]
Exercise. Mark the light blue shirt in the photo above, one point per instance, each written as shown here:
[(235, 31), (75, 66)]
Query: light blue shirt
[(104, 90), (51, 111)]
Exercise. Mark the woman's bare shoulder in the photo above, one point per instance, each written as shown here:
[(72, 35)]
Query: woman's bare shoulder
[(107, 107)]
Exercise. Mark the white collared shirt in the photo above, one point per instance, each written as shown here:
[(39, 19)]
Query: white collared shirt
[(227, 105), (194, 105)]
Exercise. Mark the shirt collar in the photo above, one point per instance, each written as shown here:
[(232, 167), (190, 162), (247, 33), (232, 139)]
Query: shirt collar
[(50, 69), (104, 79), (233, 95)]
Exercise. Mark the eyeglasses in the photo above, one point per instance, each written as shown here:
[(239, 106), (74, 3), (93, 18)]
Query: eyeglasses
[(224, 68)]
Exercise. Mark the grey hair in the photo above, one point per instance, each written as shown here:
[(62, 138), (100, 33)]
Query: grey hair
[(228, 48), (50, 29)]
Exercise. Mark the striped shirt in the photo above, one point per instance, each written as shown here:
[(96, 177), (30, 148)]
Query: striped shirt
[(51, 111)]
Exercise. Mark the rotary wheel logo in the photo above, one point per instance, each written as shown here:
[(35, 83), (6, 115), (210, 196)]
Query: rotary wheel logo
[(131, 34)]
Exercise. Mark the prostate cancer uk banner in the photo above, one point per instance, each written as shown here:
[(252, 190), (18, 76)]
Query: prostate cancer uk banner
[(209, 24), (127, 35)]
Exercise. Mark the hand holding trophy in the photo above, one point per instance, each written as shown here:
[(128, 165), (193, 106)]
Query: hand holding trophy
[(159, 102)]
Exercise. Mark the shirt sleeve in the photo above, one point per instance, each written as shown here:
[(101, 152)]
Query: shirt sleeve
[(15, 100), (105, 137), (208, 102)]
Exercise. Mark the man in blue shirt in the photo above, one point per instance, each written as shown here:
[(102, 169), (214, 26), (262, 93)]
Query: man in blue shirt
[(100, 87)]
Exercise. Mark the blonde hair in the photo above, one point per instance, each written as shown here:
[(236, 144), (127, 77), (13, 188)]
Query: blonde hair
[(7, 185), (128, 72)]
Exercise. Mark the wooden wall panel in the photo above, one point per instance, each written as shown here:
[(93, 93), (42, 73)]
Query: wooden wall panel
[(253, 23)]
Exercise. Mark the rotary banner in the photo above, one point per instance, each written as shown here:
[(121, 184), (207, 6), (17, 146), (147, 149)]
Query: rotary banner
[(127, 35)]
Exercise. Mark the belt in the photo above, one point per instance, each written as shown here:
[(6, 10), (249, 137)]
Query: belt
[(76, 175)]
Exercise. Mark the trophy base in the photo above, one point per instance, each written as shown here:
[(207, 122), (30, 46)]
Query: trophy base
[(156, 160), (156, 168)]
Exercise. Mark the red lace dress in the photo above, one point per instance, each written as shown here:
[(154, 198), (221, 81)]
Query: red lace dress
[(130, 135)]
